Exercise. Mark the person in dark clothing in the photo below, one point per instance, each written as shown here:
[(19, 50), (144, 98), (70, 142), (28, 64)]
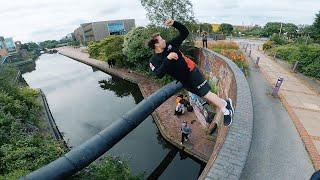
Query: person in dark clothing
[(109, 63), (204, 39), (185, 132), (168, 59)]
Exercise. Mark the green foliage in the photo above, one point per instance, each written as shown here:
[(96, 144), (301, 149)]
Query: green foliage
[(226, 28), (74, 43), (159, 10), (205, 27), (108, 168), (303, 40), (308, 56), (279, 40), (23, 148), (108, 48), (94, 49), (272, 28), (49, 44), (31, 46), (214, 86), (290, 29), (316, 28), (135, 49), (256, 31), (112, 49)]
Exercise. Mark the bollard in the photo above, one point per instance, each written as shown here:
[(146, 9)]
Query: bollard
[(277, 86), (274, 56), (294, 69), (250, 53), (257, 61)]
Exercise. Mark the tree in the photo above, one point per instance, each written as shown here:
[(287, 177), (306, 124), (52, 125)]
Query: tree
[(49, 44), (255, 31), (290, 29), (206, 27), (316, 28), (159, 10), (31, 46), (271, 28), (226, 28)]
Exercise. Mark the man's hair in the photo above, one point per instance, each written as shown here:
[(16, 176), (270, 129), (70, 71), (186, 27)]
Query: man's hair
[(153, 40)]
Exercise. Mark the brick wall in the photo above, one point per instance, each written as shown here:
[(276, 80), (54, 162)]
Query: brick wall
[(233, 144)]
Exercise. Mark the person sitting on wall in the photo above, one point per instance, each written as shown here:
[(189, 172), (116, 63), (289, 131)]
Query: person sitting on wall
[(179, 97), (179, 109), (186, 104)]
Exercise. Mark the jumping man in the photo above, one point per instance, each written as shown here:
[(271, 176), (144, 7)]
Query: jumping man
[(168, 59)]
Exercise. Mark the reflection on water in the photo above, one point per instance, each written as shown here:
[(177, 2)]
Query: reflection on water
[(85, 101), (121, 88)]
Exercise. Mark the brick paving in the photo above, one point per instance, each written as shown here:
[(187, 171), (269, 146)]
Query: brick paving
[(200, 144)]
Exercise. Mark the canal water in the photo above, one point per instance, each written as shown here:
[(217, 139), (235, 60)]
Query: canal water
[(84, 101)]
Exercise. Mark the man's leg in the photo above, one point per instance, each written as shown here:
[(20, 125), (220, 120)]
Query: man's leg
[(182, 138), (225, 106), (214, 99), (201, 87)]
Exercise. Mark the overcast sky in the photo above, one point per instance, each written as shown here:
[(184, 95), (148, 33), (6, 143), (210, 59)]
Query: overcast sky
[(38, 20)]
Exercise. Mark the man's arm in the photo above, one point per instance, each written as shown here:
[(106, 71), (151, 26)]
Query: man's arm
[(183, 34), (162, 69)]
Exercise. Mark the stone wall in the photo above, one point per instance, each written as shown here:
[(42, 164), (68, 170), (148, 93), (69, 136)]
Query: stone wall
[(232, 144)]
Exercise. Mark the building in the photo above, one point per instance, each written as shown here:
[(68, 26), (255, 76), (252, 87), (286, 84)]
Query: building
[(79, 35), (3, 48), (11, 47), (96, 31)]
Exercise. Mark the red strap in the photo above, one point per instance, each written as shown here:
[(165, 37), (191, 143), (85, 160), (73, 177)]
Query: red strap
[(190, 63)]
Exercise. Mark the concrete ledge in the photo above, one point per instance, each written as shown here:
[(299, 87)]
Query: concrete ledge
[(53, 126), (230, 160)]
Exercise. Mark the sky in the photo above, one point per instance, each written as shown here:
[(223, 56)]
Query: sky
[(39, 20)]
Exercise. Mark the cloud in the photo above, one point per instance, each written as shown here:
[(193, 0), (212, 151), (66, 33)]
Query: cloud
[(38, 20)]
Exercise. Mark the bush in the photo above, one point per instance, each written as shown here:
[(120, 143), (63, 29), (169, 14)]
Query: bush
[(107, 49), (307, 55), (94, 49), (267, 45), (279, 40), (303, 40), (23, 148), (108, 168), (135, 47)]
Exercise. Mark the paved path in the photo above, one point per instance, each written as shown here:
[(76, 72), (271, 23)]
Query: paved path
[(277, 151)]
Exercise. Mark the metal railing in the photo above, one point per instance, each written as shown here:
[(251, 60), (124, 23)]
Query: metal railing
[(81, 156)]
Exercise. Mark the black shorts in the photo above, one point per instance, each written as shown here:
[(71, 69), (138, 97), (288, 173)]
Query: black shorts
[(196, 83)]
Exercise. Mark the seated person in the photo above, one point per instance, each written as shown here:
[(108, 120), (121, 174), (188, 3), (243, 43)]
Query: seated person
[(179, 109)]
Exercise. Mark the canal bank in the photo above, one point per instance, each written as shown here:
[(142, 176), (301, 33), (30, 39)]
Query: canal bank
[(200, 145), (229, 151), (84, 101)]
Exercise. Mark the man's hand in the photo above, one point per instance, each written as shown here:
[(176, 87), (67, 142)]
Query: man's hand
[(169, 22), (173, 56)]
